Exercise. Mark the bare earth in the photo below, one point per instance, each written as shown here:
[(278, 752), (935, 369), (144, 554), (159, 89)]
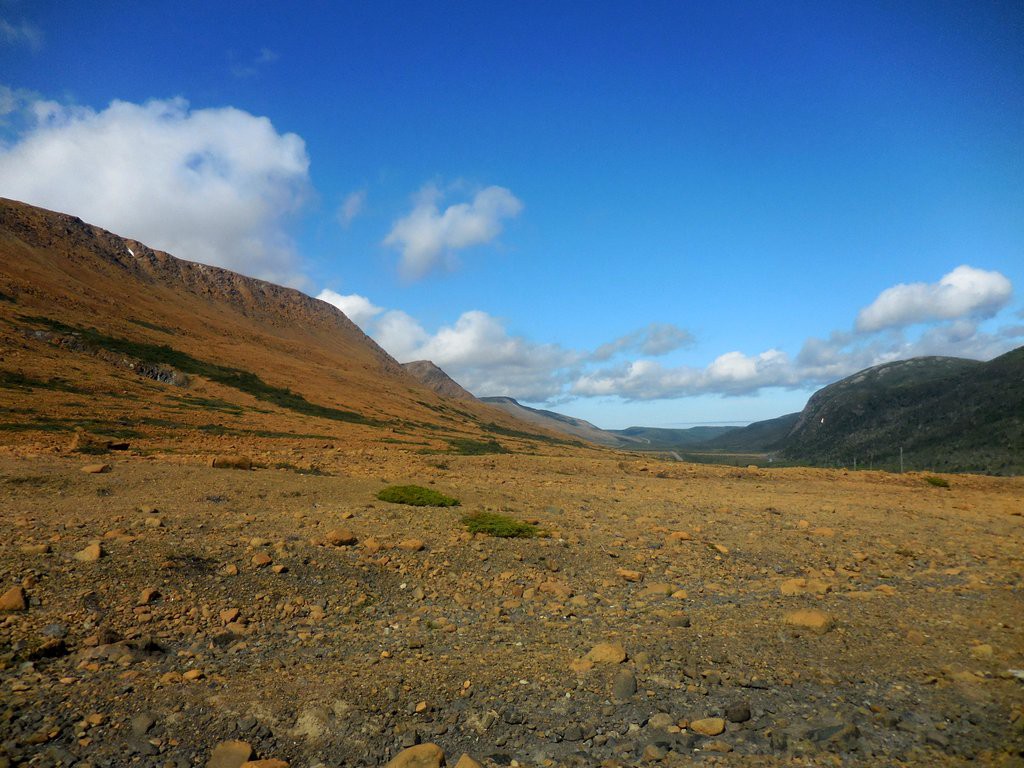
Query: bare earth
[(914, 613)]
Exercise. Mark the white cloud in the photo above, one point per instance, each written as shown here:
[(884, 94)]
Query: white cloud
[(359, 309), (964, 292), (479, 352), (428, 237), (351, 207), (653, 340), (208, 185), (21, 33)]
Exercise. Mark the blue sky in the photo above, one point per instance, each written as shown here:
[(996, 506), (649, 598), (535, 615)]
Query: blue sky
[(636, 213)]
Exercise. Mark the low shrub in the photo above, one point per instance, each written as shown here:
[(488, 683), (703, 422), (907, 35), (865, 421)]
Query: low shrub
[(493, 524), (416, 496), (938, 482)]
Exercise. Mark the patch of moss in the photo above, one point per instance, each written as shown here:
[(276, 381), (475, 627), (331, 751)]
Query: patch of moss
[(502, 526), (416, 496)]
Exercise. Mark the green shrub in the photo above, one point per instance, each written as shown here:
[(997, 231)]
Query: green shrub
[(494, 524), (416, 496), (467, 447), (939, 482)]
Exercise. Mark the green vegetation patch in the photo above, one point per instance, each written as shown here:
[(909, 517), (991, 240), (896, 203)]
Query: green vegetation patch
[(497, 429), (15, 380), (416, 496), (236, 378), (152, 326), (467, 447), (938, 482), (502, 526)]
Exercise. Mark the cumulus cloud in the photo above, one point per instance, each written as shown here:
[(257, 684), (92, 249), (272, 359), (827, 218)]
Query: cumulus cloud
[(359, 309), (428, 237), (21, 33), (964, 292), (652, 340), (479, 352), (351, 207), (208, 185)]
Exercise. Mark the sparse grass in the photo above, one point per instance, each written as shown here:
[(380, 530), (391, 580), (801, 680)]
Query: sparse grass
[(152, 326), (211, 403), (507, 432), (312, 470), (15, 380), (236, 378), (91, 450), (502, 526), (467, 447), (938, 482), (416, 496)]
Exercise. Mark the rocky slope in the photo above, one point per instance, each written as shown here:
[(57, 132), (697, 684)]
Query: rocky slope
[(432, 377)]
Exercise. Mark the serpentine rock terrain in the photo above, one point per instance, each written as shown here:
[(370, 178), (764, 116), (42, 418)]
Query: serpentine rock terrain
[(196, 569)]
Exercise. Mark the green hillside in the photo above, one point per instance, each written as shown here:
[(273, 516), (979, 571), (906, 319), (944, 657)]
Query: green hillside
[(947, 414)]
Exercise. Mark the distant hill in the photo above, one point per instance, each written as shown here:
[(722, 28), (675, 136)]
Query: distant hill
[(655, 438), (948, 414), (578, 428), (760, 436), (432, 377)]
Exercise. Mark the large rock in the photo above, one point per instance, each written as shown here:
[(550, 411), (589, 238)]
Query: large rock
[(340, 537), (708, 726), (90, 554), (13, 600), (229, 754), (811, 619), (606, 653), (420, 756)]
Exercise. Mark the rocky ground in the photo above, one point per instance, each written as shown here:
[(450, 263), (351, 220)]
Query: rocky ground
[(167, 613)]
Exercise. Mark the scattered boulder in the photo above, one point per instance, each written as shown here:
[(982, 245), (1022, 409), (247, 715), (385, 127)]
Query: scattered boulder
[(341, 537), (231, 462), (420, 756), (623, 685), (811, 619), (708, 726), (90, 554), (13, 600), (606, 653), (412, 545), (230, 754), (96, 469)]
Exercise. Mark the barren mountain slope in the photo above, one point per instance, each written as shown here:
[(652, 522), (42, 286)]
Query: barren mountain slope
[(432, 377), (110, 335)]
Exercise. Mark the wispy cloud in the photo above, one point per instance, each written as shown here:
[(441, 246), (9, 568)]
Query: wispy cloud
[(252, 67), (351, 207), (652, 340), (209, 185), (428, 237), (21, 33)]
